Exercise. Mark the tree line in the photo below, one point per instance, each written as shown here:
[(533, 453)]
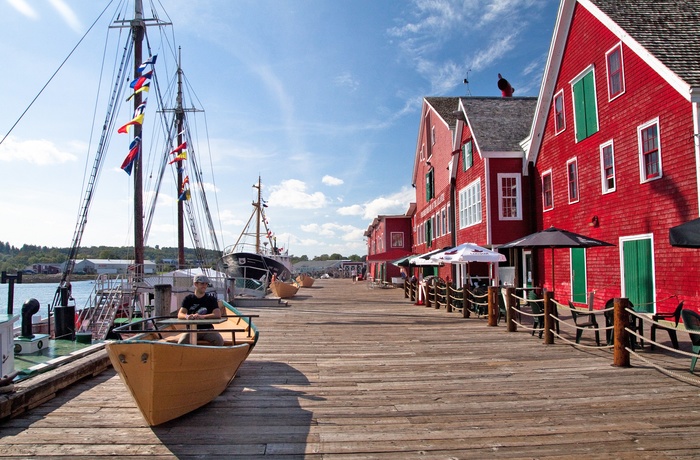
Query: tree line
[(13, 259)]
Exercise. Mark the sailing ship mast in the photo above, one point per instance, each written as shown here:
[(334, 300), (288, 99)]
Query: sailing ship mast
[(137, 30)]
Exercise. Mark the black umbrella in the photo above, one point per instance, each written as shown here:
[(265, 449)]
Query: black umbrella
[(555, 238), (686, 235)]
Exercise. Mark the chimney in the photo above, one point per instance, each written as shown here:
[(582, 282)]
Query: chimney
[(504, 86)]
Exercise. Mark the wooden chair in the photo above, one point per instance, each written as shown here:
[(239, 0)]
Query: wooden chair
[(691, 320), (676, 315), (581, 322)]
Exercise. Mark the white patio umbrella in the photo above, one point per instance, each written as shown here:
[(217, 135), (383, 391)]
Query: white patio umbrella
[(468, 252)]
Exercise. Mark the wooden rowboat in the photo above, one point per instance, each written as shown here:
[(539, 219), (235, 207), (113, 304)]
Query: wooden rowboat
[(305, 281), (283, 290), (167, 379)]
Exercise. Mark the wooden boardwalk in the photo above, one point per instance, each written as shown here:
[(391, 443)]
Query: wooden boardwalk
[(353, 373)]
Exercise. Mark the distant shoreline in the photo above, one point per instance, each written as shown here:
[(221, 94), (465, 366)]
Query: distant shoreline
[(55, 278)]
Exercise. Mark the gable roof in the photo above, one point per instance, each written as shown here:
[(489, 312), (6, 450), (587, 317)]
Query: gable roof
[(668, 29), (499, 124), (663, 32), (445, 108)]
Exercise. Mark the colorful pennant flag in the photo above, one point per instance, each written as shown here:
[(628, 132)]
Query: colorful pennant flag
[(184, 196), (146, 86), (134, 150), (180, 157), (140, 81), (136, 121), (185, 182), (180, 147), (151, 60)]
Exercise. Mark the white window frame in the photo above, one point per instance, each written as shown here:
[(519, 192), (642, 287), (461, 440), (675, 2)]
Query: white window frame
[(572, 161), (642, 169), (603, 180), (518, 197), (432, 135), (622, 72), (559, 93), (551, 181), (470, 209)]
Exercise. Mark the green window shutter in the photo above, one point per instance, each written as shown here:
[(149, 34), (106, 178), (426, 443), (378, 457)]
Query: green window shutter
[(429, 233), (467, 160), (591, 106), (429, 186), (580, 111), (585, 110)]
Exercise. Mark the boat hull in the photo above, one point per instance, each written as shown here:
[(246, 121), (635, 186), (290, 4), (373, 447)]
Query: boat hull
[(283, 290), (254, 266), (305, 281), (168, 379)]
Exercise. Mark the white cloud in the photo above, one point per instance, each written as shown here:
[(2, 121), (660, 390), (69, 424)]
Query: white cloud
[(67, 14), (396, 203), (292, 193), (330, 180), (346, 80), (23, 8), (35, 151)]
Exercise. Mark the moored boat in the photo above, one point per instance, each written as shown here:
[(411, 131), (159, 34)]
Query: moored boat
[(253, 265), (168, 379), (305, 281), (283, 290)]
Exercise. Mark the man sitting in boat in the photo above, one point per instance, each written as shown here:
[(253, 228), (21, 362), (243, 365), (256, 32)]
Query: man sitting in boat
[(201, 306)]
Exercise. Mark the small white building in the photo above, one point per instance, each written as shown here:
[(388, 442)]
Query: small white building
[(111, 266)]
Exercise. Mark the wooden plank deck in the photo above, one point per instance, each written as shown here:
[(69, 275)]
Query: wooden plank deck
[(348, 372)]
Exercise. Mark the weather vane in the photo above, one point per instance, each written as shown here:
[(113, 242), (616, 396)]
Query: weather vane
[(466, 82)]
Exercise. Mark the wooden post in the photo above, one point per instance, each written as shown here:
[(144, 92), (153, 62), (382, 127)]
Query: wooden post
[(436, 288), (548, 320), (448, 297), (512, 327), (493, 305), (427, 293), (465, 302), (162, 299), (405, 288), (621, 320)]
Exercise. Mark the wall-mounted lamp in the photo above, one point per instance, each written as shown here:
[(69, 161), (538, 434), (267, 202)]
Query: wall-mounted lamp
[(595, 223)]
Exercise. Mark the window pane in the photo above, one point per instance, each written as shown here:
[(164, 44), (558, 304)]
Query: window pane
[(573, 181), (650, 151)]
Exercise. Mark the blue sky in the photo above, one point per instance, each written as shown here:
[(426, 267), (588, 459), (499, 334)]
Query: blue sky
[(321, 99)]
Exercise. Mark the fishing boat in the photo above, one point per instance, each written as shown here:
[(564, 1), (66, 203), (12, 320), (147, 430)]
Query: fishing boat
[(283, 290), (305, 281), (168, 379), (253, 265)]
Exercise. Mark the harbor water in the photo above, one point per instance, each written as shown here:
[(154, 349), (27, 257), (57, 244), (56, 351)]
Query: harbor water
[(44, 293)]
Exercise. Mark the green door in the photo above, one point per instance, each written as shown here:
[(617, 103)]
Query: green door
[(639, 278), (578, 275)]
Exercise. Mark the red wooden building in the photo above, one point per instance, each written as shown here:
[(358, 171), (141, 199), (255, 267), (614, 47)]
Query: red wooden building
[(388, 239), (468, 177), (614, 150)]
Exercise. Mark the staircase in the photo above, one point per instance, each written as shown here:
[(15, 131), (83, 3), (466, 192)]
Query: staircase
[(105, 301)]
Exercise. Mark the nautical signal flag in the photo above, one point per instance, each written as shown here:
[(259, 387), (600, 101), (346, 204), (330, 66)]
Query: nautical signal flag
[(185, 182), (184, 196), (181, 156), (134, 150), (179, 148), (140, 81), (145, 87), (151, 60), (136, 121)]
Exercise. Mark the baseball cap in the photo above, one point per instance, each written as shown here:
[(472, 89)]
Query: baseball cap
[(201, 279)]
